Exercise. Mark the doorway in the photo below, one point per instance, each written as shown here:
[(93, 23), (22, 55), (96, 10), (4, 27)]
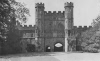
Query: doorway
[(58, 47), (30, 48), (48, 49)]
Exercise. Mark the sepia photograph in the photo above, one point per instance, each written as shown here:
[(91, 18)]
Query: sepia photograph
[(49, 30)]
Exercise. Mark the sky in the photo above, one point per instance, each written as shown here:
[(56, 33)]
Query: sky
[(84, 10)]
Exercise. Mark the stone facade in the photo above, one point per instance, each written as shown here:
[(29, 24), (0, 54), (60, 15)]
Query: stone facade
[(51, 28)]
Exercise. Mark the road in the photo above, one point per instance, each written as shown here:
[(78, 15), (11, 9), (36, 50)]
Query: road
[(52, 56)]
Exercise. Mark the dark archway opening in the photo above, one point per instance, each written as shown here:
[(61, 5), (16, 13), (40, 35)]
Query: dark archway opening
[(78, 46), (48, 49), (30, 48), (58, 47)]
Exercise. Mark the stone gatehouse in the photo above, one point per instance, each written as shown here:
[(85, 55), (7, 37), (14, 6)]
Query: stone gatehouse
[(51, 28)]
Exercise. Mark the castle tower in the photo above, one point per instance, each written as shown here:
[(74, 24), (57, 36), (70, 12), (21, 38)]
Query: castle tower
[(68, 22), (39, 16), (39, 19)]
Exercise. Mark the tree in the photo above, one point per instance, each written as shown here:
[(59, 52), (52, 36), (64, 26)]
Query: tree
[(10, 12), (90, 39), (96, 21)]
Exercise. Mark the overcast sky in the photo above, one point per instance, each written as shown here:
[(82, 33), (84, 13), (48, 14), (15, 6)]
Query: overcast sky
[(84, 10)]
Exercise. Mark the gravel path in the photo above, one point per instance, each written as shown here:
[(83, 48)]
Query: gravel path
[(53, 56)]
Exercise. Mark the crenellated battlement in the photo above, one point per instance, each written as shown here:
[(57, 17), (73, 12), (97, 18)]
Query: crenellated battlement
[(27, 26), (75, 27), (39, 4), (80, 27), (54, 12), (90, 26), (84, 27), (68, 4)]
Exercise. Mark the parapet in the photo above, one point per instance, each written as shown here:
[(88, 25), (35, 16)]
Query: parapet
[(84, 27), (25, 25), (75, 27), (67, 4), (54, 12), (90, 26), (28, 26), (39, 4), (49, 11), (59, 12), (80, 27), (45, 12)]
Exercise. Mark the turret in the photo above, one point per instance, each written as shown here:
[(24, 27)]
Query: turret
[(68, 23), (68, 15), (39, 10)]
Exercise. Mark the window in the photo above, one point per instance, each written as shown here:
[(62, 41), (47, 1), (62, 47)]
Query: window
[(31, 34), (69, 32)]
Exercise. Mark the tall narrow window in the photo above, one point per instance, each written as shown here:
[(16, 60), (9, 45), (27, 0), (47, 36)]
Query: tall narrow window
[(69, 32)]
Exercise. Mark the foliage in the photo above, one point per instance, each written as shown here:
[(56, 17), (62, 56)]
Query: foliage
[(90, 39), (10, 12), (96, 21), (74, 42)]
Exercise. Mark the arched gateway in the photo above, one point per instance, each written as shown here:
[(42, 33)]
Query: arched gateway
[(48, 49), (58, 47)]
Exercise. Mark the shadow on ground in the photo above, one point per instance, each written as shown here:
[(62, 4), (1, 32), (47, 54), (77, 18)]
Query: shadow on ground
[(33, 54), (36, 56)]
